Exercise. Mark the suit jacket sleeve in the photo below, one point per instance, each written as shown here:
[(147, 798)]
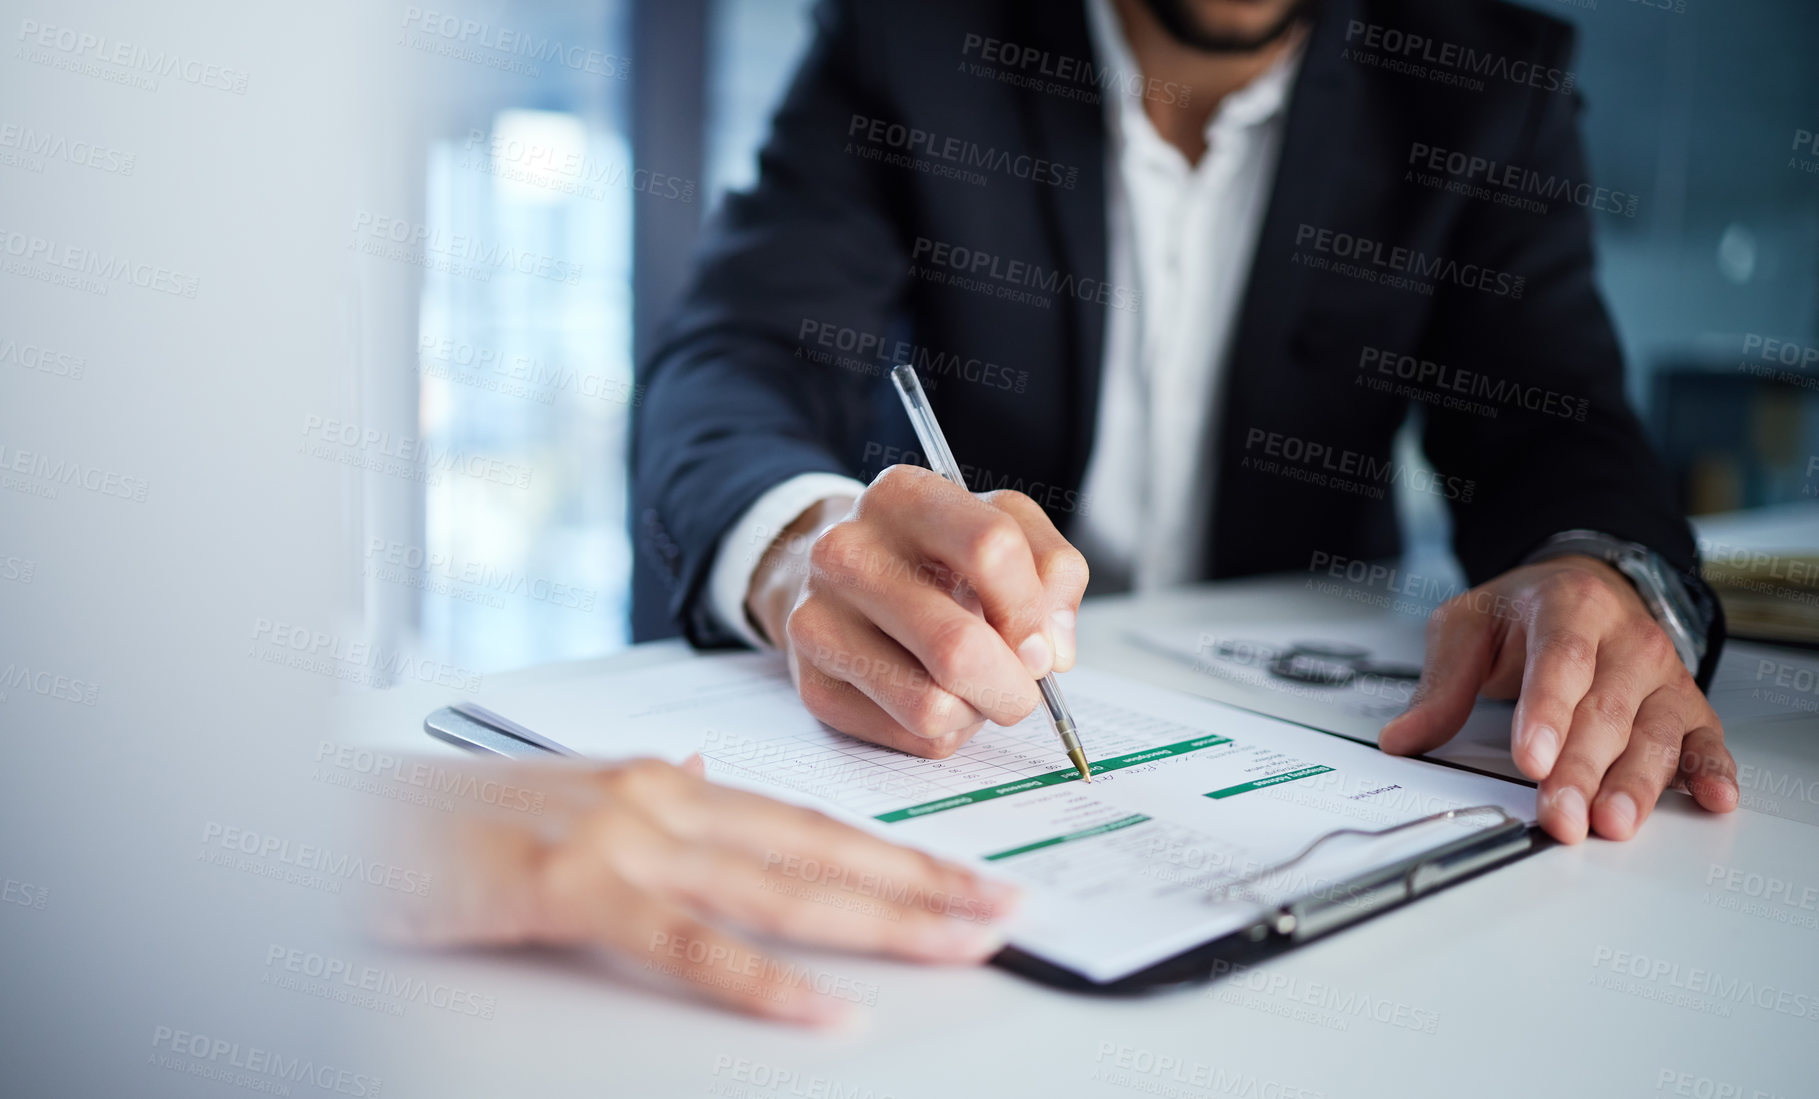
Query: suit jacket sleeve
[(735, 402), (1574, 456)]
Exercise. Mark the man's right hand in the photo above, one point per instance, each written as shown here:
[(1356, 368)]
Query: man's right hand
[(861, 596)]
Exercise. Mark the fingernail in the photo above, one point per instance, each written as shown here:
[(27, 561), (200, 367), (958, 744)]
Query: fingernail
[(1063, 624), (1036, 655), (1569, 804), (964, 939), (1621, 808), (1544, 746)]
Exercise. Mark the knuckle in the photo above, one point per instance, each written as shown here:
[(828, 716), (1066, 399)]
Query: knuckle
[(930, 714), (1569, 647), (803, 627), (958, 646), (1459, 606), (836, 549), (940, 747), (1609, 707), (944, 746), (1658, 755), (996, 545), (893, 482), (1577, 586), (1654, 646), (1663, 733), (1009, 499), (819, 694), (1549, 706), (1065, 568)]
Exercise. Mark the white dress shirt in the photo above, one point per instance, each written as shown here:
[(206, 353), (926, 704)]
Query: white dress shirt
[(1182, 236)]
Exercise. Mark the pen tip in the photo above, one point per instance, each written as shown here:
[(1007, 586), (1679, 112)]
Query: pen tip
[(1079, 760)]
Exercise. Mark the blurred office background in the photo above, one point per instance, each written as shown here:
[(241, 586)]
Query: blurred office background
[(1694, 111), (383, 436)]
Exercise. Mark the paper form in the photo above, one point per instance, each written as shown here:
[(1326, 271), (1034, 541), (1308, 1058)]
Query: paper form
[(1186, 794), (1234, 661)]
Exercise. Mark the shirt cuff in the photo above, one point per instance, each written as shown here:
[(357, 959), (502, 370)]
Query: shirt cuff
[(745, 541)]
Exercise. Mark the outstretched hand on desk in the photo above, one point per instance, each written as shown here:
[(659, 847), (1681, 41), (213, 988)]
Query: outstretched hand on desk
[(654, 863), (1607, 717)]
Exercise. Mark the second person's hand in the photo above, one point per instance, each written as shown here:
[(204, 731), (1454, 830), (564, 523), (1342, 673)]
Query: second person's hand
[(860, 595), (664, 870)]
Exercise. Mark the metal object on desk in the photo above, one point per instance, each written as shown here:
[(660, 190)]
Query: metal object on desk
[(1315, 663), (478, 729)]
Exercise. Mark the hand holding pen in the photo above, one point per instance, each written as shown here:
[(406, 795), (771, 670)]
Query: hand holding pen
[(879, 647), (941, 460)]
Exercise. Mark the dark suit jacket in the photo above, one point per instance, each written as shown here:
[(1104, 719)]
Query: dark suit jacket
[(919, 199)]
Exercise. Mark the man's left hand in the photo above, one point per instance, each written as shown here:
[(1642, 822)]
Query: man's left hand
[(1606, 714)]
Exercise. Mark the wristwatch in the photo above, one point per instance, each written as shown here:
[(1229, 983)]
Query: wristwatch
[(1656, 581)]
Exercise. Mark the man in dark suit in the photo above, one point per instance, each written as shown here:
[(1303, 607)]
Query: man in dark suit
[(1178, 270)]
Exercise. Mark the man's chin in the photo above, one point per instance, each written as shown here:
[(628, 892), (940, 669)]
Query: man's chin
[(1188, 24)]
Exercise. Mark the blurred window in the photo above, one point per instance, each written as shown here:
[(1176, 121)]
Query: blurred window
[(524, 354)]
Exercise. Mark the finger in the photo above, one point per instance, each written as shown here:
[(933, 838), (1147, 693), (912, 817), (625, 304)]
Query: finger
[(712, 964), (1562, 641), (844, 707), (933, 518), (669, 812), (842, 905), (1599, 733), (594, 886), (1707, 768), (864, 586), (958, 649), (787, 870), (1647, 764), (777, 831), (1461, 644), (1060, 567), (849, 648)]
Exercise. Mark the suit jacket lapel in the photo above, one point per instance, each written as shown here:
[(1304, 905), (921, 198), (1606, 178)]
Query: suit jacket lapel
[(1272, 333), (1322, 110), (1072, 131)]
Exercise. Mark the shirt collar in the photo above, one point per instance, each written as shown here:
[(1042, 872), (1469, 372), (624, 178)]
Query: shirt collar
[(1257, 102)]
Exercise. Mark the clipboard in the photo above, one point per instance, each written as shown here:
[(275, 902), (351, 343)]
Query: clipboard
[(1293, 922), (1282, 926)]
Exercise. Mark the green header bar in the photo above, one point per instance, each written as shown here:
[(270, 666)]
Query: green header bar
[(1052, 778), (1097, 830), (1273, 780)]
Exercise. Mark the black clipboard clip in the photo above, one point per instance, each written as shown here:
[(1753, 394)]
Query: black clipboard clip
[(1325, 910), (1288, 923)]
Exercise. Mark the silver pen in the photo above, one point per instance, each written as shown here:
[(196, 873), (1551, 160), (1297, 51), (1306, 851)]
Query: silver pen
[(941, 460)]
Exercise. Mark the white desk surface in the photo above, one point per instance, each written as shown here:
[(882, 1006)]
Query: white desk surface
[(1529, 976)]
